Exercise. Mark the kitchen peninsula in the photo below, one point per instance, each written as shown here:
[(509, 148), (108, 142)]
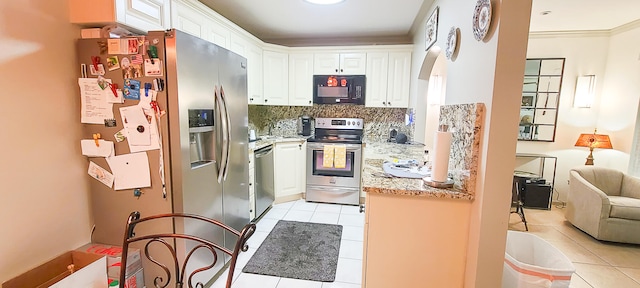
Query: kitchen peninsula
[(402, 215)]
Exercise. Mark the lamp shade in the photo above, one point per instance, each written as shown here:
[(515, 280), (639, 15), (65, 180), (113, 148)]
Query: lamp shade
[(594, 141)]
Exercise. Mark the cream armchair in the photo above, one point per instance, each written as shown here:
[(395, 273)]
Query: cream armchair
[(604, 203)]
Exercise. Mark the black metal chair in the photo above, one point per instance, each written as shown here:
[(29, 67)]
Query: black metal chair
[(169, 239), (517, 201)]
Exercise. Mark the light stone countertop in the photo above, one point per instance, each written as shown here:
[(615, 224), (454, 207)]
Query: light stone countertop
[(273, 140), (374, 181)]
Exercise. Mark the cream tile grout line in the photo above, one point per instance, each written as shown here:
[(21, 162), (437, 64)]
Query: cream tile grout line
[(634, 280)]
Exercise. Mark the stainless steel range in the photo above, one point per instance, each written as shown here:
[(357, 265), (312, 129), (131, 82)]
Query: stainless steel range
[(335, 183)]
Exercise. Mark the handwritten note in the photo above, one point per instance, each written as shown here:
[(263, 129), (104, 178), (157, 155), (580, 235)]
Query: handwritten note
[(95, 107)]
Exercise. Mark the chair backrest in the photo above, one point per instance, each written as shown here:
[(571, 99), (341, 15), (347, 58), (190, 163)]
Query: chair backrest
[(180, 271), (605, 179)]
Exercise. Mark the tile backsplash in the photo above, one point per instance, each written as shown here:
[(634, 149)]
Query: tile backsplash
[(282, 120)]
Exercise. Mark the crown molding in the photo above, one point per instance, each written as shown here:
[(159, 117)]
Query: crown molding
[(626, 27), (566, 34)]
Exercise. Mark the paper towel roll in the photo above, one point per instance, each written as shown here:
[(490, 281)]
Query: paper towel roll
[(440, 157)]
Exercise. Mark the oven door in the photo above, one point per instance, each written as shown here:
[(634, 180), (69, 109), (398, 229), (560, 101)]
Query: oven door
[(317, 174)]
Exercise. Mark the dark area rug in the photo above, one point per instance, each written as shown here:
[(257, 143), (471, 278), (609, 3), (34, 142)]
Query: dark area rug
[(299, 250)]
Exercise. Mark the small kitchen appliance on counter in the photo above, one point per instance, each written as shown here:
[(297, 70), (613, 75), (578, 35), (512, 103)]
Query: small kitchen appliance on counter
[(304, 125)]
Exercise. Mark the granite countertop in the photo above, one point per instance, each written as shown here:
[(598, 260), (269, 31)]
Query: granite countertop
[(266, 141), (375, 181)]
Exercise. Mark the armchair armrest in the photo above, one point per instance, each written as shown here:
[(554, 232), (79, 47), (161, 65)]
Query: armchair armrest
[(586, 204)]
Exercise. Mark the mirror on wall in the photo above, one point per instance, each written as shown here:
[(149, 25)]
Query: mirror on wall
[(540, 99)]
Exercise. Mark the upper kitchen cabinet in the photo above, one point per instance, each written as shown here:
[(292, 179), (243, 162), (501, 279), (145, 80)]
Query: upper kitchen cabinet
[(276, 77), (142, 15), (254, 74), (190, 17), (300, 79), (340, 63), (388, 79)]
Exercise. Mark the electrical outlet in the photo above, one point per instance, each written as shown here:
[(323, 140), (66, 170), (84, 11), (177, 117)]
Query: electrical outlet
[(567, 182)]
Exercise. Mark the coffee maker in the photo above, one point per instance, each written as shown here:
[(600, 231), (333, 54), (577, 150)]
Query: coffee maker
[(304, 125)]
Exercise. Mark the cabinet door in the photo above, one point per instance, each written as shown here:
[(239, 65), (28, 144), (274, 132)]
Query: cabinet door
[(254, 74), (238, 45), (146, 15), (377, 79), (275, 75), (217, 33), (353, 63), (286, 171), (399, 78), (301, 163), (300, 79), (326, 63), (188, 20)]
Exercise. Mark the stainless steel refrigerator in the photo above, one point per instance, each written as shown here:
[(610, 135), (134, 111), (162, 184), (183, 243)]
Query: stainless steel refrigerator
[(203, 90)]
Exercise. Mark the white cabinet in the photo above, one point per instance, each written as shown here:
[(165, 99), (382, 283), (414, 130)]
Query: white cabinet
[(340, 63), (388, 79), (300, 79), (254, 74), (276, 77), (216, 33), (290, 168), (238, 45), (143, 15)]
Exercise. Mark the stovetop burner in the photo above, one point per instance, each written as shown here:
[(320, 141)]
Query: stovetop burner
[(338, 130)]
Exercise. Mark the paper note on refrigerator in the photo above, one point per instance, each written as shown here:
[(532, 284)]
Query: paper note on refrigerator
[(130, 170), (100, 174), (103, 149), (136, 125), (94, 104)]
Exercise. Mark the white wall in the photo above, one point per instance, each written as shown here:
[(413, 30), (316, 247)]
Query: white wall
[(585, 54), (613, 58), (489, 72), (44, 209)]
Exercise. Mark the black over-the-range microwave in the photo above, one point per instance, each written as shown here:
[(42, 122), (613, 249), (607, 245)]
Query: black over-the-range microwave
[(339, 89)]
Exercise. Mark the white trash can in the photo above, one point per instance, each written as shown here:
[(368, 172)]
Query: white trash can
[(532, 262)]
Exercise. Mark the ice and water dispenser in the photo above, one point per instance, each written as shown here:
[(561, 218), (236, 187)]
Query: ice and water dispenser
[(201, 137)]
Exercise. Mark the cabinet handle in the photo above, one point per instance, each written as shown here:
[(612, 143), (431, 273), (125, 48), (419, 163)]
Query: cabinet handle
[(341, 70), (309, 101), (361, 208), (250, 184), (265, 100), (389, 103), (250, 99), (384, 103), (336, 70)]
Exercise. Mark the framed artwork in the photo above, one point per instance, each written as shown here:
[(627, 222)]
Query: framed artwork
[(431, 30)]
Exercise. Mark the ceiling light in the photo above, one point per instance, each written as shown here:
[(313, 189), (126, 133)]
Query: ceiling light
[(324, 2)]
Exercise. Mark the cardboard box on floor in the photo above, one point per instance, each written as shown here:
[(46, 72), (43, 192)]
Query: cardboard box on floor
[(89, 271), (114, 255)]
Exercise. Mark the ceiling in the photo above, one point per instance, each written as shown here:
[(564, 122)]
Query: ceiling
[(288, 21)]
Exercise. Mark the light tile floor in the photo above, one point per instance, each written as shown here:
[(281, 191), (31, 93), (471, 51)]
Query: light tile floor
[(598, 264), (349, 271)]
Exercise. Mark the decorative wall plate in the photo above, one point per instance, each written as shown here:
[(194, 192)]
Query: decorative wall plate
[(481, 19), (431, 30), (452, 42)]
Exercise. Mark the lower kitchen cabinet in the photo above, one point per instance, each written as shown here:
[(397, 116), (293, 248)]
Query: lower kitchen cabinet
[(413, 241), (290, 169)]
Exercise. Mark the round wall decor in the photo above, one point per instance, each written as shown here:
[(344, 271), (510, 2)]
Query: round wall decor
[(481, 19), (452, 42)]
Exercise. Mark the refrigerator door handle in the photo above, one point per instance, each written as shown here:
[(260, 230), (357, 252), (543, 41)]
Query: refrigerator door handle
[(228, 132), (221, 108)]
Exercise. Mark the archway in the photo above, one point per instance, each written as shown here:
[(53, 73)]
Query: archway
[(431, 95)]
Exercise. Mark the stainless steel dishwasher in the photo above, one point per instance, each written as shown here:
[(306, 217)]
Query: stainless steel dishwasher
[(264, 189)]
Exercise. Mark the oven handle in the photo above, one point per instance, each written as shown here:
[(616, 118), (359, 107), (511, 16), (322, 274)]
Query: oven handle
[(320, 146), (334, 189)]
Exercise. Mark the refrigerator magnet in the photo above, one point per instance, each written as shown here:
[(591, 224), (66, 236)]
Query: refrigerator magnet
[(132, 46), (152, 67), (131, 89), (96, 72), (113, 63), (110, 122), (120, 136), (125, 62)]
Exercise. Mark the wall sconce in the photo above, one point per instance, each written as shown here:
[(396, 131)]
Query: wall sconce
[(585, 91)]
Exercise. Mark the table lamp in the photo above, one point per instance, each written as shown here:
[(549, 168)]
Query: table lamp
[(593, 141)]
